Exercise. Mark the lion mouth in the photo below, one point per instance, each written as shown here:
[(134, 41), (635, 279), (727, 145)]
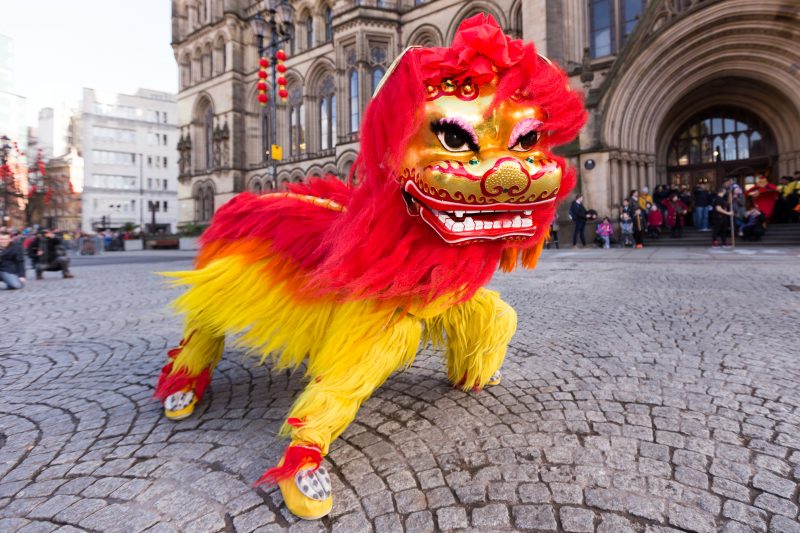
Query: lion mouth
[(473, 223)]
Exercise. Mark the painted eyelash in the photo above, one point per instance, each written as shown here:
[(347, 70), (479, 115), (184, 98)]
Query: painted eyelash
[(461, 123), (523, 128)]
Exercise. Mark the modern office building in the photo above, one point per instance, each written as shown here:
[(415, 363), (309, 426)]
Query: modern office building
[(678, 91), (130, 167)]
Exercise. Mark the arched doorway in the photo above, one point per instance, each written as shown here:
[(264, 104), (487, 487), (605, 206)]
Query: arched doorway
[(719, 142)]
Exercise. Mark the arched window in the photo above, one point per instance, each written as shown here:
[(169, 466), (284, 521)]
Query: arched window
[(354, 105), (257, 187), (186, 71), (309, 32), (377, 76), (328, 24), (208, 137), (204, 203), (297, 122), (266, 135), (610, 23), (327, 113)]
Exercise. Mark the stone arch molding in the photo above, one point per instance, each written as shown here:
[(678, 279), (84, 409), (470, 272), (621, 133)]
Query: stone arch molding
[(733, 39), (425, 35), (473, 8)]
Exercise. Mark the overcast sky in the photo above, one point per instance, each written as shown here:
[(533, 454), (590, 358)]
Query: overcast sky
[(61, 46)]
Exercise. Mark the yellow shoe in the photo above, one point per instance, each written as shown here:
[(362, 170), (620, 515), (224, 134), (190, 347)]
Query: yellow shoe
[(496, 378), (308, 494), (180, 405)]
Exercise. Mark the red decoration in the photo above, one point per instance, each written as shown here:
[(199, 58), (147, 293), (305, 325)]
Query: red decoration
[(281, 80), (281, 68), (263, 62), (262, 74), (262, 98), (280, 55), (283, 93), (261, 86)]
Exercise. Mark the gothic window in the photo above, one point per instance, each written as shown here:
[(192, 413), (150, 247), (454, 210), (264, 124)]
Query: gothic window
[(610, 23), (328, 24), (377, 76), (327, 113), (265, 137), (257, 187), (631, 11), (354, 105), (208, 137), (309, 32), (297, 123)]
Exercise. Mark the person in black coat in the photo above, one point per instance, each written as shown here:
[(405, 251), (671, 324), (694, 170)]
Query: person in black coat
[(577, 212), (48, 254), (12, 262)]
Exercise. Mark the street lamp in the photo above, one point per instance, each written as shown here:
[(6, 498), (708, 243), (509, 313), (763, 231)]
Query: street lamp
[(5, 175), (275, 27)]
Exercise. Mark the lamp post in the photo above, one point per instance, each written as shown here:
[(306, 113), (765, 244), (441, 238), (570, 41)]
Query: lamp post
[(275, 27), (5, 147)]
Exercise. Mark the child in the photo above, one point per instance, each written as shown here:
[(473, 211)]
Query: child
[(626, 228), (604, 231), (553, 237), (654, 221), (639, 226)]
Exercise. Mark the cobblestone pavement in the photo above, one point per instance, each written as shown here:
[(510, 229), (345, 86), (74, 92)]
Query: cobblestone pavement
[(644, 392)]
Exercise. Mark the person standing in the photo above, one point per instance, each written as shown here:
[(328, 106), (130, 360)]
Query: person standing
[(722, 217), (48, 251), (577, 212), (639, 227), (702, 203), (654, 221), (676, 210), (12, 262), (645, 198)]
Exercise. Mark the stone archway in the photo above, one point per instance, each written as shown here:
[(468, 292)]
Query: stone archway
[(736, 52)]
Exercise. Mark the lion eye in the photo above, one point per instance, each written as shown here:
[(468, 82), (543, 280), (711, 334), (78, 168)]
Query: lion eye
[(453, 137), (525, 142)]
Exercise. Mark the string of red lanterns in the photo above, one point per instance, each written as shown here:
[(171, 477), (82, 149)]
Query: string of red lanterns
[(263, 63), (280, 55)]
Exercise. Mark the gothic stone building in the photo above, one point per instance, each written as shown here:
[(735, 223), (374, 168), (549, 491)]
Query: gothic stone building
[(678, 91)]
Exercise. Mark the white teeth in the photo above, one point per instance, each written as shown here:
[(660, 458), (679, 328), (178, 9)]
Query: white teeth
[(517, 222), (449, 223), (528, 212), (469, 224), (458, 226), (497, 224), (527, 223), (443, 218), (478, 224), (506, 223), (459, 214)]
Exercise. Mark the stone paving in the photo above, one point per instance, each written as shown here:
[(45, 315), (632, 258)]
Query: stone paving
[(644, 392)]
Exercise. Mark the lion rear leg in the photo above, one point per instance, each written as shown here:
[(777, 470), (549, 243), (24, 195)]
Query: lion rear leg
[(477, 335), (187, 374)]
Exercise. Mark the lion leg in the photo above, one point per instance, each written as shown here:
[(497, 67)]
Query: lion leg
[(477, 335), (343, 374), (185, 377)]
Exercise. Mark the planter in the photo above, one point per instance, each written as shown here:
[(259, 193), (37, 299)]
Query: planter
[(134, 245), (189, 243)]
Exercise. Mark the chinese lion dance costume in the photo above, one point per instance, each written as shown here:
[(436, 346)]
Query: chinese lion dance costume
[(455, 177)]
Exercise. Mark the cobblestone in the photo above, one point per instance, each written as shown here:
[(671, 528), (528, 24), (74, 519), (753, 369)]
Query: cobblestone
[(637, 398)]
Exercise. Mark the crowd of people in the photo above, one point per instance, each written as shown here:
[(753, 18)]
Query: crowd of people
[(668, 209), (48, 252)]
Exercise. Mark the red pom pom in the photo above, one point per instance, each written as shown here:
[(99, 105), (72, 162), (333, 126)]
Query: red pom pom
[(263, 62), (281, 80), (261, 86), (280, 55), (262, 74), (281, 68), (262, 98), (283, 93)]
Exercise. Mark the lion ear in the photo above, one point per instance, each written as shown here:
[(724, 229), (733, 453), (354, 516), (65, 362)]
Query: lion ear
[(392, 68)]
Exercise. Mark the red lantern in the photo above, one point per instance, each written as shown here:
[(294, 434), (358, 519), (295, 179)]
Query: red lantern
[(261, 86), (280, 55), (262, 98), (281, 68), (283, 93), (263, 62), (262, 74), (281, 80)]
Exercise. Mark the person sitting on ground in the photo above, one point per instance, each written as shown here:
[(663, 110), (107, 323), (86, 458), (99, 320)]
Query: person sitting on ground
[(12, 262), (754, 224), (626, 229), (604, 231), (639, 227), (654, 221), (48, 251)]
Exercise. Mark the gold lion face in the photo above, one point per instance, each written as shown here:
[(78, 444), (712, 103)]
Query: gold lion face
[(474, 174)]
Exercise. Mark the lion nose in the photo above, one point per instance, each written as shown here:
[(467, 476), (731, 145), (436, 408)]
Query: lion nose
[(507, 176)]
